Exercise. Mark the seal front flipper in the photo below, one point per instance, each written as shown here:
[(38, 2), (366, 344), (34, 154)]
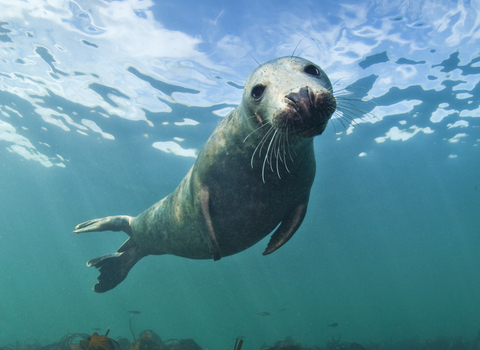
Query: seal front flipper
[(114, 267), (211, 239), (110, 223), (287, 228)]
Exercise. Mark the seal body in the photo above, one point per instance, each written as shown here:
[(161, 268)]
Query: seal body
[(253, 174)]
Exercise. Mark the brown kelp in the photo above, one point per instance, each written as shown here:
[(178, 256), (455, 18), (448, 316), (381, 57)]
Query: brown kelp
[(97, 342), (133, 312), (149, 340)]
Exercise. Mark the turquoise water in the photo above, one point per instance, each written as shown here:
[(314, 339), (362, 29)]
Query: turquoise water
[(105, 104)]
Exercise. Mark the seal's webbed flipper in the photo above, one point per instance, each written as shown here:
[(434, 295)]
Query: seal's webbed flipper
[(114, 267), (286, 229), (110, 223)]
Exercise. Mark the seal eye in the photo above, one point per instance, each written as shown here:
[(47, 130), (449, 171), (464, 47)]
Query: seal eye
[(312, 70), (257, 91)]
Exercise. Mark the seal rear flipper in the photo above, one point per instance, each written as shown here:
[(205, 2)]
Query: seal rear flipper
[(286, 229), (110, 223), (114, 267)]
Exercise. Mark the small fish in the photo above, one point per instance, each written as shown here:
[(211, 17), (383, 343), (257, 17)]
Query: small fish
[(332, 325), (135, 312), (238, 344), (96, 329), (263, 313), (284, 309)]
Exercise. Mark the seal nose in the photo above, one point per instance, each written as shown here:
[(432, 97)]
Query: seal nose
[(303, 101), (301, 97), (310, 103), (311, 111)]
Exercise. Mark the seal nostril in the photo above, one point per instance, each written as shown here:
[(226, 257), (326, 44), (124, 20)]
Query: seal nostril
[(304, 92), (290, 99)]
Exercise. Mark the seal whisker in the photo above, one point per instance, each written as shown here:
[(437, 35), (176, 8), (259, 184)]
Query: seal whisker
[(347, 102), (342, 93), (278, 154), (263, 139), (254, 59), (266, 155), (349, 117), (258, 128), (284, 148), (294, 147), (262, 142), (345, 95), (288, 147), (296, 47), (334, 128), (273, 149), (348, 99), (340, 119), (277, 144), (273, 142), (353, 110), (353, 115), (284, 145), (281, 148), (336, 82), (303, 50)]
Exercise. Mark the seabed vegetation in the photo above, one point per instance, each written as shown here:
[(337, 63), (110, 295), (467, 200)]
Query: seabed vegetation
[(149, 340)]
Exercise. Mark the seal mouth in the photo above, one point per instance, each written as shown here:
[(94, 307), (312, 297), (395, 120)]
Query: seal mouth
[(306, 112)]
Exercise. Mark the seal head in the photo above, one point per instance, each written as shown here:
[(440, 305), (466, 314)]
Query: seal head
[(292, 94)]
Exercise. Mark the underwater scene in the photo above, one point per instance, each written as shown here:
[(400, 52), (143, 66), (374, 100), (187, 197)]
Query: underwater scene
[(105, 106)]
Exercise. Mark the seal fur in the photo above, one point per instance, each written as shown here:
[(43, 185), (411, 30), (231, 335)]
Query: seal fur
[(253, 175)]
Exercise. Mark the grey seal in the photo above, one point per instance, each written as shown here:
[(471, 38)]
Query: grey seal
[(253, 175)]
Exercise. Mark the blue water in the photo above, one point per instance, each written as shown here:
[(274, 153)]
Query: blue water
[(105, 104)]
